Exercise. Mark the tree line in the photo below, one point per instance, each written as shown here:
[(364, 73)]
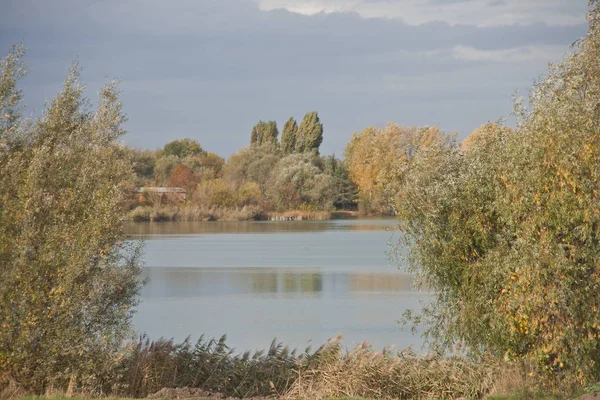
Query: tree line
[(268, 175), (286, 172)]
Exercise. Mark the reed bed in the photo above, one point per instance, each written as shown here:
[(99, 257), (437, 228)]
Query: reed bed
[(200, 213), (194, 213), (365, 373), (329, 372), (211, 369), (210, 365)]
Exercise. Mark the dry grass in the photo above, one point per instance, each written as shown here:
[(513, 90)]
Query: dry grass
[(365, 373), (514, 379), (195, 213), (210, 366), (304, 215), (202, 213)]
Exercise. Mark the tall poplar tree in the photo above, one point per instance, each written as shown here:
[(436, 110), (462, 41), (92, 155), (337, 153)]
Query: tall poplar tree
[(310, 133), (288, 136), (264, 132)]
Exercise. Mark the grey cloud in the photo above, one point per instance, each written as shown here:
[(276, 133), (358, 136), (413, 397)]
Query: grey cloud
[(442, 2), (210, 69)]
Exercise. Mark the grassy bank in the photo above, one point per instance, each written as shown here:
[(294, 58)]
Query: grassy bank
[(247, 213)]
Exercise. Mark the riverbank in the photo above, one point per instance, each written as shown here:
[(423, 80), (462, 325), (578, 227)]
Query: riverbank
[(247, 213)]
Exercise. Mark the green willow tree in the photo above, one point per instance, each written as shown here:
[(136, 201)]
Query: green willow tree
[(310, 133), (68, 280), (506, 229), (288, 136)]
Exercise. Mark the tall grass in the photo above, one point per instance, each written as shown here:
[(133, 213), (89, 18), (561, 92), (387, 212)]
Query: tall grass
[(329, 372), (209, 365), (195, 213), (164, 368), (363, 372)]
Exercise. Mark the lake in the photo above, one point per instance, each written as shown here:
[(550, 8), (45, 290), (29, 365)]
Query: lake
[(298, 281)]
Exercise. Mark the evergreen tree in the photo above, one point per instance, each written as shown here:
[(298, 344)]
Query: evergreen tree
[(345, 192), (310, 133), (288, 136)]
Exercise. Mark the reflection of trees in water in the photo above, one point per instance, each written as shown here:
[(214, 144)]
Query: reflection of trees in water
[(286, 282), (380, 283), (186, 228), (263, 282), (302, 283), (193, 282)]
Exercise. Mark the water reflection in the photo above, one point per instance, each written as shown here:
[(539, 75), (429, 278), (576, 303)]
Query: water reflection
[(299, 281), (195, 228), (209, 282)]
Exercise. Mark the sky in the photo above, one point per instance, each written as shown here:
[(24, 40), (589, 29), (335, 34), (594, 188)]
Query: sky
[(210, 69)]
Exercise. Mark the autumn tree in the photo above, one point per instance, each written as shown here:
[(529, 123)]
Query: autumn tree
[(182, 148), (299, 179), (506, 230), (214, 193), (248, 194), (143, 162), (253, 164), (310, 133), (288, 136), (378, 158), (183, 177), (68, 280), (164, 168)]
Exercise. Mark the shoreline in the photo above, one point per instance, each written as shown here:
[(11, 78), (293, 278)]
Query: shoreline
[(248, 213)]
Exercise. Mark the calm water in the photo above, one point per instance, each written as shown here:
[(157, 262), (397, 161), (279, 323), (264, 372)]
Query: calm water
[(301, 282)]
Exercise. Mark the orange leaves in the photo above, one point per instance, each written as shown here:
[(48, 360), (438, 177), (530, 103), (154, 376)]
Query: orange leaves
[(183, 177)]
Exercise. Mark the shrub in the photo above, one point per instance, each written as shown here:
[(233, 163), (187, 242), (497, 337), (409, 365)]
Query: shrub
[(248, 194), (68, 280), (140, 214), (506, 230), (215, 192), (298, 179)]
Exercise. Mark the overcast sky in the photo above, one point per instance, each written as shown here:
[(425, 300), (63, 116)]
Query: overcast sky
[(210, 69)]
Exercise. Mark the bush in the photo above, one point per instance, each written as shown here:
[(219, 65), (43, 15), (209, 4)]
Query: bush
[(248, 194), (68, 280), (211, 193), (506, 229), (298, 179), (140, 214)]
